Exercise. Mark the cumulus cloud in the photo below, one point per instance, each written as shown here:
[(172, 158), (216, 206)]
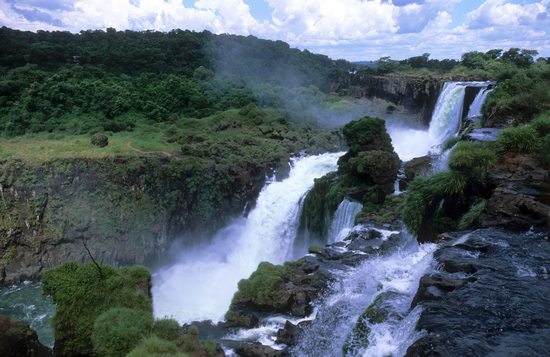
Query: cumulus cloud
[(353, 29)]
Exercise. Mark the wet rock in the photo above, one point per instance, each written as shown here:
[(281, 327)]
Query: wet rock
[(521, 196), (256, 349), (240, 318), (483, 134), (513, 210), (289, 334), (434, 287), (17, 339), (500, 308), (417, 167)]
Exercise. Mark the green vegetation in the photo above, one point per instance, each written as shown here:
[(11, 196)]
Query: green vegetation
[(434, 204), (103, 311), (96, 290), (470, 218), (366, 173), (117, 330), (261, 285), (156, 347), (533, 137)]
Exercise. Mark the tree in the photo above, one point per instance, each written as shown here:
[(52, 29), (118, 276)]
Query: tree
[(521, 58)]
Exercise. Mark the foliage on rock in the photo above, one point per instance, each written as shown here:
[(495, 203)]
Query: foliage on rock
[(82, 293)]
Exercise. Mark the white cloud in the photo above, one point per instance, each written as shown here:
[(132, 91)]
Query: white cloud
[(353, 29)]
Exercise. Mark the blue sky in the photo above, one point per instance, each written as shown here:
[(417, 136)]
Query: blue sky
[(350, 29)]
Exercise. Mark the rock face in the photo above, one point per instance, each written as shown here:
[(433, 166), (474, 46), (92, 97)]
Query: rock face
[(521, 197), (416, 93), (126, 210), (366, 173), (17, 339), (491, 297)]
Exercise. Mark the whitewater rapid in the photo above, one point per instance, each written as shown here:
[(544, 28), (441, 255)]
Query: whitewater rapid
[(201, 283)]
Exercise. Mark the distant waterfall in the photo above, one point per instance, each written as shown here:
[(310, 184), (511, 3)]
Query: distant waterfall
[(200, 285), (477, 104), (446, 118), (344, 219)]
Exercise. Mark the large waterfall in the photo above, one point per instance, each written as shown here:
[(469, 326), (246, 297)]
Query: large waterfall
[(200, 285)]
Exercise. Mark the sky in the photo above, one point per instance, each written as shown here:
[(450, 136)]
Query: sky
[(351, 29)]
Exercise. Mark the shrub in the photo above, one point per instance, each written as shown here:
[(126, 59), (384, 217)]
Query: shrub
[(521, 139), (99, 139), (95, 293), (261, 285), (542, 124), (156, 347), (472, 159), (470, 219), (167, 329), (118, 330), (367, 134)]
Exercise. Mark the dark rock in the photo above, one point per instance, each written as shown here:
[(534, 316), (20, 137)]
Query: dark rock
[(256, 349), (17, 339), (417, 167), (520, 199), (242, 318), (500, 308), (289, 334)]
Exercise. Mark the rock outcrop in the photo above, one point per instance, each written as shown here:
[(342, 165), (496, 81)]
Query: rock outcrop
[(126, 210), (522, 195), (17, 339), (491, 297)]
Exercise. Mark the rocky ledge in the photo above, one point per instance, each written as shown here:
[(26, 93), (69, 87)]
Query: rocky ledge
[(491, 297)]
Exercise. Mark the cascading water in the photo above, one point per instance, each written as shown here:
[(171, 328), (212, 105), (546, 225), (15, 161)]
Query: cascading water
[(447, 115), (394, 277), (344, 219), (200, 285), (477, 104)]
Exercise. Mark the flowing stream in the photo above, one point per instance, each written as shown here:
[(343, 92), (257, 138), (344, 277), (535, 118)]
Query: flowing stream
[(344, 219), (200, 285)]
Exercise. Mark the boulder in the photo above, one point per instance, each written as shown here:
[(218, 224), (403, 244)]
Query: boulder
[(289, 334), (256, 349), (17, 339), (417, 167)]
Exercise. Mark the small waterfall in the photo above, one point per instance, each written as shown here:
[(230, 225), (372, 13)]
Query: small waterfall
[(394, 277), (477, 104), (200, 285), (344, 219)]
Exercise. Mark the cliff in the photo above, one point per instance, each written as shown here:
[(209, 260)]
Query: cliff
[(125, 209)]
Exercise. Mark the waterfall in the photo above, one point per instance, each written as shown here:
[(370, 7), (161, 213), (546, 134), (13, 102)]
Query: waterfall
[(477, 104), (344, 219), (445, 122), (394, 277), (201, 283)]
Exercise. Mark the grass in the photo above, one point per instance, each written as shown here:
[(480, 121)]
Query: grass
[(34, 148)]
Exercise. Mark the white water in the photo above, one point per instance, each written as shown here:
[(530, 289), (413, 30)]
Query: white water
[(344, 219), (200, 285), (356, 289), (477, 104), (447, 115)]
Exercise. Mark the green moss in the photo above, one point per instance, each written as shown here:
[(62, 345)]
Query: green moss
[(541, 124), (521, 139), (167, 329), (472, 159), (262, 285), (367, 134), (118, 330), (450, 142), (156, 347), (95, 292), (470, 219)]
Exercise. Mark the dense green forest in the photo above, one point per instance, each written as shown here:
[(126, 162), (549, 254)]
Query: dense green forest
[(117, 81)]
